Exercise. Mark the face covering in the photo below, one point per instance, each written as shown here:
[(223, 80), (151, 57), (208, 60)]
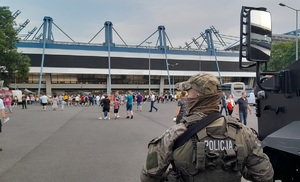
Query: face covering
[(206, 104)]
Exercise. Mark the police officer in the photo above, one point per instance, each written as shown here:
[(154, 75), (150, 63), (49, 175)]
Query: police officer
[(224, 150)]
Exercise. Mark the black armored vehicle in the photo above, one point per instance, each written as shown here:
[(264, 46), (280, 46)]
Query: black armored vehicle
[(277, 95)]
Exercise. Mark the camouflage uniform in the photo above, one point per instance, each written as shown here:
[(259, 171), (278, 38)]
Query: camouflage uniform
[(225, 150)]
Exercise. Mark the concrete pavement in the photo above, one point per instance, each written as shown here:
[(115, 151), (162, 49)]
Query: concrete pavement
[(74, 145)]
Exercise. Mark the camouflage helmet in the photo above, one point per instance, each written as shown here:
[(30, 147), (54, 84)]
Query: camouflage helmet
[(204, 83)]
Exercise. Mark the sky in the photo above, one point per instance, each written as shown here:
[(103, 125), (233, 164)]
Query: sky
[(136, 20)]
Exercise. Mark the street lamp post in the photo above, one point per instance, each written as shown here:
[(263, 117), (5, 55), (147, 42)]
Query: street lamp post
[(296, 32), (149, 42), (16, 79), (173, 76)]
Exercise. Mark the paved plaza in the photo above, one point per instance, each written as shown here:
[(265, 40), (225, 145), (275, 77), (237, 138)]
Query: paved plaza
[(74, 145)]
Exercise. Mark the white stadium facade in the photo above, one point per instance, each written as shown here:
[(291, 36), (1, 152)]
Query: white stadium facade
[(70, 67)]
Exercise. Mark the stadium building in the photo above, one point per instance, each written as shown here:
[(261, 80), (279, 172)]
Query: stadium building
[(70, 67)]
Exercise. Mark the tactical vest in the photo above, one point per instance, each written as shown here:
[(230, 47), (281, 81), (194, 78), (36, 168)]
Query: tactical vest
[(211, 155)]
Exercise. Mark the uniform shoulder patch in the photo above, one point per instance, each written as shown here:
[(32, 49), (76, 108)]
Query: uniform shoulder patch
[(194, 117), (233, 122)]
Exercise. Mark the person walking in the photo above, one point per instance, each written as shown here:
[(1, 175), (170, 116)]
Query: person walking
[(207, 146), (55, 102), (63, 103), (224, 103), (44, 101), (15, 101), (3, 114), (8, 103), (129, 101), (152, 98), (230, 104), (105, 103), (242, 108), (24, 104), (139, 100), (116, 108), (97, 100), (91, 100), (181, 110), (77, 98), (66, 98), (117, 96)]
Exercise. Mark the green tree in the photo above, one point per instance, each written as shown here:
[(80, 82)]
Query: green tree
[(283, 54), (12, 63)]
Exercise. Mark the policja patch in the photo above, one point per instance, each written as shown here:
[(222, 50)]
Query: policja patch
[(218, 145)]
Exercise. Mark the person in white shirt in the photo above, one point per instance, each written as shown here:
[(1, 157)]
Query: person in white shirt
[(98, 100), (152, 97), (44, 101), (77, 100)]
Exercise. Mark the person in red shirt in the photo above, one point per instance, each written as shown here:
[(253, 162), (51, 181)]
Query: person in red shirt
[(116, 108), (82, 100)]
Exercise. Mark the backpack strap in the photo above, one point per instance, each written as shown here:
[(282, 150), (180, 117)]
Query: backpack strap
[(240, 157), (201, 156), (193, 129)]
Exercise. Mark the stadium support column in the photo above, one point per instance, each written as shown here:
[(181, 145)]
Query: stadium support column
[(50, 22), (149, 62), (163, 45), (212, 50), (108, 41), (162, 85), (48, 84), (46, 38)]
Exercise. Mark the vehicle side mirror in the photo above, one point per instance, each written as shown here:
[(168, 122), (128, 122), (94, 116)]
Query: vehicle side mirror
[(259, 36)]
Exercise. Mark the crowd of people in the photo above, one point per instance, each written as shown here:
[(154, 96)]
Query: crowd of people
[(109, 103), (94, 99), (112, 103)]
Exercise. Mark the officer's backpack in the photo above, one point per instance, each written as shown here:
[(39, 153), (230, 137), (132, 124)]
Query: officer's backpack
[(212, 150)]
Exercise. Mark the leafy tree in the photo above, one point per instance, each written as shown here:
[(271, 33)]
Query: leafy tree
[(12, 63), (283, 54)]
